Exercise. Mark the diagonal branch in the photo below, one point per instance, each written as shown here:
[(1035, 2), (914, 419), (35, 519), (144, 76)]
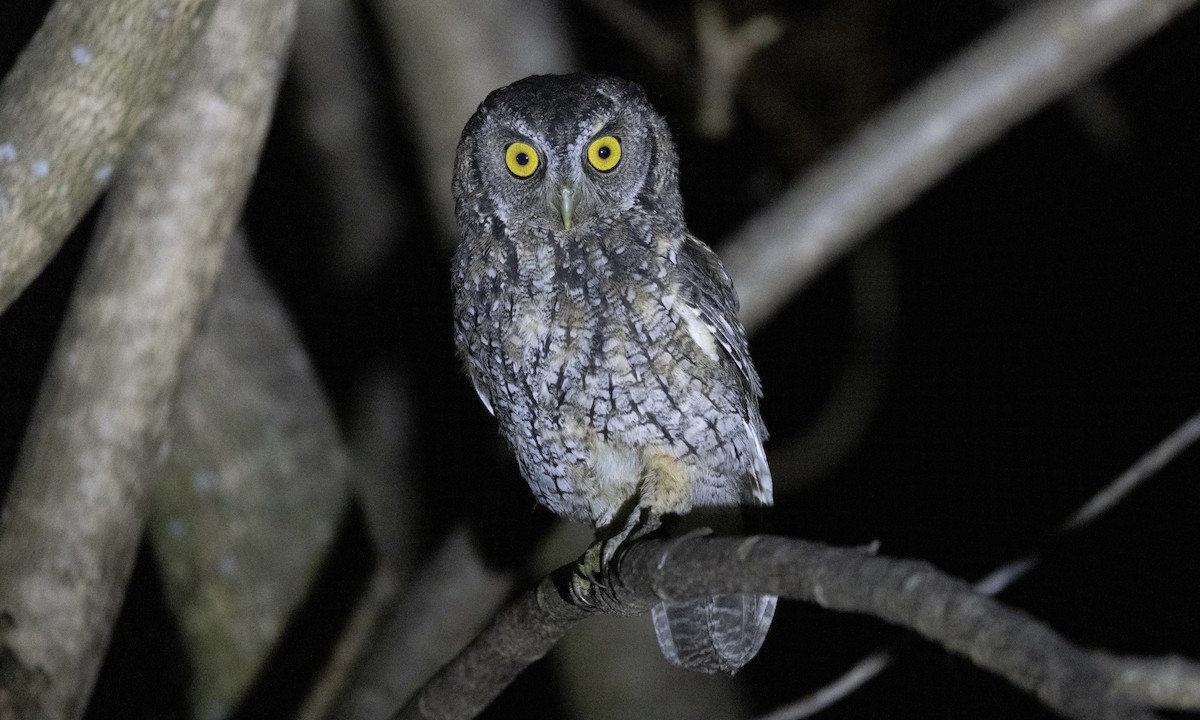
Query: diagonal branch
[(910, 593), (1041, 52)]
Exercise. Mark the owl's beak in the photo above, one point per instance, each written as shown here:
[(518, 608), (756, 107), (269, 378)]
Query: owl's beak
[(566, 204)]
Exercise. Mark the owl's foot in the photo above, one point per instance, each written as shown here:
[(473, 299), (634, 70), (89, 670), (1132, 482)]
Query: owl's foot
[(593, 581), (589, 582)]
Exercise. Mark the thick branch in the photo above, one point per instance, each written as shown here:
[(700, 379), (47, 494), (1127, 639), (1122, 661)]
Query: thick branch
[(249, 488), (1041, 52), (74, 512), (81, 90), (909, 593)]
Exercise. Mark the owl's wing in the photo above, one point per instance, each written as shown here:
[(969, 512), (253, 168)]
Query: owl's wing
[(481, 389), (710, 293)]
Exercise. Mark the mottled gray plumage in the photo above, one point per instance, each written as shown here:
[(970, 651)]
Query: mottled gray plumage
[(603, 336)]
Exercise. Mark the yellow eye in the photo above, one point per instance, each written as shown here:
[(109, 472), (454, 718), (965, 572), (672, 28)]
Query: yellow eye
[(604, 153), (521, 158)]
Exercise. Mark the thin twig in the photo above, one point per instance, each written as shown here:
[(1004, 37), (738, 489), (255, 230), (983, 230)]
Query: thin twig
[(1145, 467), (358, 637), (836, 691)]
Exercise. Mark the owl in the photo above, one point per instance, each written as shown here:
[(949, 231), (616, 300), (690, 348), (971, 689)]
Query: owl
[(604, 337)]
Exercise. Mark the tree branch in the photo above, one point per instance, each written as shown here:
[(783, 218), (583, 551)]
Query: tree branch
[(521, 633), (92, 75), (1041, 52), (248, 489), (1169, 682), (74, 511), (913, 594)]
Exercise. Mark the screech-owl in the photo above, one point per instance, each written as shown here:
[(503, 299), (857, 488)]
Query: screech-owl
[(604, 337)]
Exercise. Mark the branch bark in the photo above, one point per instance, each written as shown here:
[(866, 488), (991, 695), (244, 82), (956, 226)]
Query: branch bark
[(74, 511), (249, 488), (90, 78), (1041, 52), (913, 594)]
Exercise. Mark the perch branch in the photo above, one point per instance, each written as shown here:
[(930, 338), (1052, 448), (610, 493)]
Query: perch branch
[(913, 594), (1042, 51), (74, 511), (1169, 682), (612, 667), (78, 94)]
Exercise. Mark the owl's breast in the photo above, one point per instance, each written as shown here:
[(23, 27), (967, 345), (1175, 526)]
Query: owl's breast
[(589, 366)]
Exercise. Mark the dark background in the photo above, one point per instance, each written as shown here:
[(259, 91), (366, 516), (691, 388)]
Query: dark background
[(1044, 335)]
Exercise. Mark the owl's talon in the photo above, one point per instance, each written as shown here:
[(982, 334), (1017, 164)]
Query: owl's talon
[(586, 577), (592, 582), (593, 595), (591, 585)]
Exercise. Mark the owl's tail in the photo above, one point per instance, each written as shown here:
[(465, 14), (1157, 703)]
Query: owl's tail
[(721, 633), (716, 634)]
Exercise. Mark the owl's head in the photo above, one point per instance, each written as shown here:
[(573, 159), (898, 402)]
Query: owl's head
[(562, 152)]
